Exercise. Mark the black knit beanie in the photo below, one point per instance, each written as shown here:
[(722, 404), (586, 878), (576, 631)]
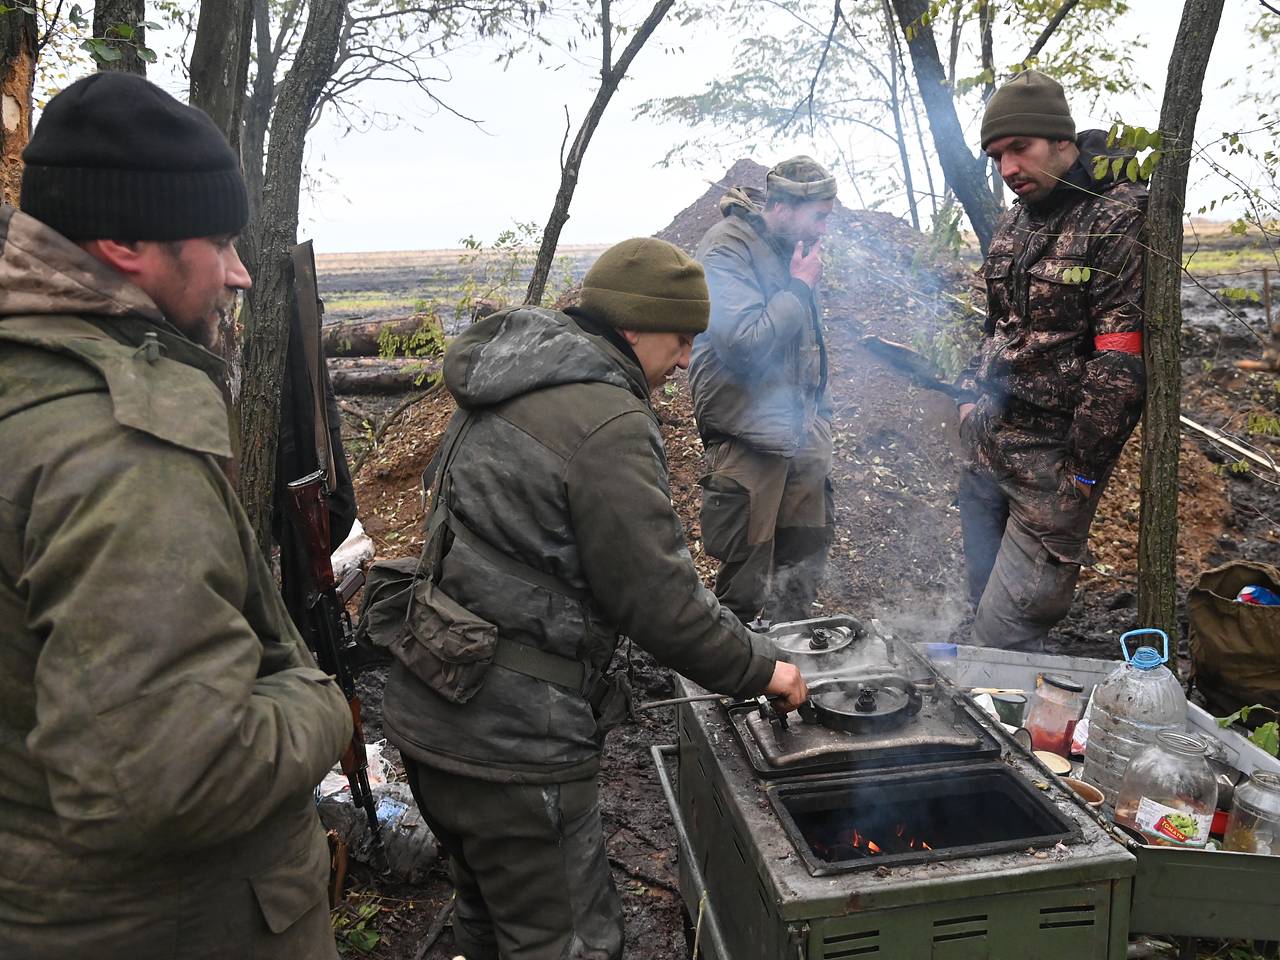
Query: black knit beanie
[(115, 157), (647, 284)]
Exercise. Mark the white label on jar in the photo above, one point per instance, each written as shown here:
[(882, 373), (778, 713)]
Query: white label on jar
[(1169, 825)]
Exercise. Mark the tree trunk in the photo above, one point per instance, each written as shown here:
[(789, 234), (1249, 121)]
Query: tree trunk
[(965, 174), (266, 249), (610, 76), (17, 77), (366, 338), (351, 375), (895, 105), (219, 75), (220, 64), (1158, 524), (109, 14)]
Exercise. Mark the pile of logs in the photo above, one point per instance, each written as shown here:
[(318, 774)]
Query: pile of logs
[(369, 356)]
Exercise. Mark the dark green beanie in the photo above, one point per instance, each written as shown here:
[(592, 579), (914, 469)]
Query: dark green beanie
[(647, 285), (1029, 105), (798, 179)]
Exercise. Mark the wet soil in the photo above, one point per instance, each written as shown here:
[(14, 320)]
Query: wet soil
[(897, 553)]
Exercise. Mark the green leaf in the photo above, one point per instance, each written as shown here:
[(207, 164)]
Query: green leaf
[(122, 30), (363, 940), (1112, 134), (1100, 167), (1085, 274), (147, 55), (1267, 737), (1131, 171), (1116, 165)]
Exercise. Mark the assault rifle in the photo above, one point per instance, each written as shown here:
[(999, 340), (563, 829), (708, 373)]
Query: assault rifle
[(323, 619)]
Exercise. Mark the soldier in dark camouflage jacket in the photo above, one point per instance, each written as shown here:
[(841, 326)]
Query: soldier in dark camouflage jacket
[(1058, 383)]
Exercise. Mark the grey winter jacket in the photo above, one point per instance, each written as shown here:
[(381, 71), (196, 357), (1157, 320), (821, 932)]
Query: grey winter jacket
[(759, 372), (562, 468)]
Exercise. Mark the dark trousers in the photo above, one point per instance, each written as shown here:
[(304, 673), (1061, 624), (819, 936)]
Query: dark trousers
[(770, 521), (1024, 543), (529, 865)]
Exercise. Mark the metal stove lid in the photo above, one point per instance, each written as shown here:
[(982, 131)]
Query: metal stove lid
[(815, 641)]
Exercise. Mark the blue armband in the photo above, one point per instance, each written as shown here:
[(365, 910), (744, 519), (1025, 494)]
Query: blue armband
[(1085, 480)]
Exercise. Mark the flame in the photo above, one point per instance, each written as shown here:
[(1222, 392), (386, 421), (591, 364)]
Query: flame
[(925, 845), (873, 846)]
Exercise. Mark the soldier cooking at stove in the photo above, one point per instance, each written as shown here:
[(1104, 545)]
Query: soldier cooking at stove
[(1057, 384), (758, 378), (552, 533)]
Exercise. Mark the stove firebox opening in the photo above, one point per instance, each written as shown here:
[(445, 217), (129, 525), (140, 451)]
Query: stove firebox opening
[(917, 816)]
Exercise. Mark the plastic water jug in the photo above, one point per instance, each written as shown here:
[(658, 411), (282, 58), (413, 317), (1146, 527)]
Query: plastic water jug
[(1136, 702)]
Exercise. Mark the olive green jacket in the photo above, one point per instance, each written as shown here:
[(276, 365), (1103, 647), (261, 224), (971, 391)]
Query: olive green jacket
[(162, 726), (562, 470)]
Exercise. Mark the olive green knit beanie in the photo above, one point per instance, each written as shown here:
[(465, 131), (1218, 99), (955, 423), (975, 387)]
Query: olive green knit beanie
[(798, 179), (647, 285), (1029, 105)]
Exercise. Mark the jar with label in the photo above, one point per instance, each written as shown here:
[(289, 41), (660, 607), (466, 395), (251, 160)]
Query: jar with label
[(1053, 711), (1254, 824), (1169, 792)]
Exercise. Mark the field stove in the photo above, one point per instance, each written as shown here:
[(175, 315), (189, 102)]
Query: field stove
[(892, 820)]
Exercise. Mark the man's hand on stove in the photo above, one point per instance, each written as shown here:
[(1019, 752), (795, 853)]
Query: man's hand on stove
[(788, 685)]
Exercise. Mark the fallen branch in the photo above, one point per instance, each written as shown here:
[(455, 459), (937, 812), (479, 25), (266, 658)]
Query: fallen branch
[(1219, 437), (635, 874), (364, 338), (437, 927)]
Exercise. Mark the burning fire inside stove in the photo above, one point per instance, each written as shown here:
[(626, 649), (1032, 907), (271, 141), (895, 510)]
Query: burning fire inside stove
[(912, 816), (857, 844)]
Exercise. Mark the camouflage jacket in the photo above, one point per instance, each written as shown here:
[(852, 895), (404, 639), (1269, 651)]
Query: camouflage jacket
[(162, 726), (759, 372), (561, 470), (1060, 371)]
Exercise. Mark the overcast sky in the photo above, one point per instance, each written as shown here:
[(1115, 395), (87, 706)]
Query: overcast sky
[(428, 187)]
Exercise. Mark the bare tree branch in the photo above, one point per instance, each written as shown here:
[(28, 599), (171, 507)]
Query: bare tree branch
[(1047, 32)]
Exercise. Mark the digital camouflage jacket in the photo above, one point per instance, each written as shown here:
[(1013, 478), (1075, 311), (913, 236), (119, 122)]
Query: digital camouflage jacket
[(1059, 372)]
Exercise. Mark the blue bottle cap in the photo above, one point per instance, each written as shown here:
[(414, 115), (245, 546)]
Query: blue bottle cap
[(1147, 658), (937, 651)]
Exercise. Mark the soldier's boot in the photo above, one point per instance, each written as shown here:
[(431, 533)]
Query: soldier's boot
[(1030, 591)]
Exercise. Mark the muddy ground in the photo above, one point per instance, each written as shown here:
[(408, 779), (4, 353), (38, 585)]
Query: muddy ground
[(897, 553)]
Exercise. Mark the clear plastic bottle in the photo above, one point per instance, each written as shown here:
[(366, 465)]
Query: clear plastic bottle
[(1138, 700), (1254, 824), (1169, 792)]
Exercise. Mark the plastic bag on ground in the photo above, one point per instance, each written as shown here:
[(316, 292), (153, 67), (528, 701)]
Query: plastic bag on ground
[(409, 843)]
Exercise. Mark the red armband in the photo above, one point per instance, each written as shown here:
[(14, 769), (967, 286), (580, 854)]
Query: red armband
[(1124, 342)]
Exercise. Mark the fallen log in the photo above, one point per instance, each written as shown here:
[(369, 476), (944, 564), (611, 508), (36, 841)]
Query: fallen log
[(366, 338), (378, 375)]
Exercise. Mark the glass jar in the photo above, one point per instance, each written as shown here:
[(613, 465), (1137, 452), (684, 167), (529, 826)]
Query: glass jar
[(1169, 792), (1053, 711), (1254, 824)]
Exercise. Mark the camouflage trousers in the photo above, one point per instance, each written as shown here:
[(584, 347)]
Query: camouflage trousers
[(528, 863), (1025, 539), (770, 521)]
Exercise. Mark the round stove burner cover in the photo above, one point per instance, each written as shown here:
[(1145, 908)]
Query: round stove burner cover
[(815, 641), (862, 705)]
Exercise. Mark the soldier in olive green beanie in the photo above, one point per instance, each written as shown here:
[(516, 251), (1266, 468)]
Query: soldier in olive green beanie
[(1029, 105), (647, 285)]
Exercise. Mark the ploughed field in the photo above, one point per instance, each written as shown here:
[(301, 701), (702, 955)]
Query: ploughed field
[(897, 553)]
